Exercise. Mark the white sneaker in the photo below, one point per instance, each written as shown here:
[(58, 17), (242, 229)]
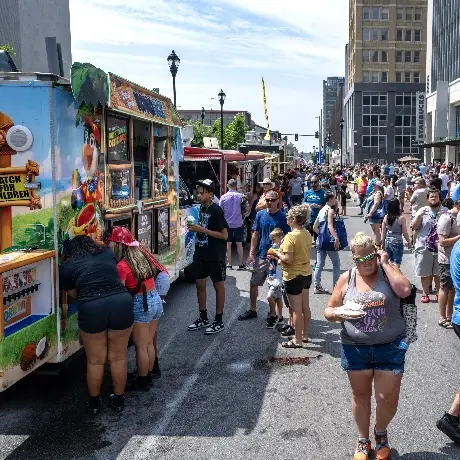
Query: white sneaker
[(320, 290)]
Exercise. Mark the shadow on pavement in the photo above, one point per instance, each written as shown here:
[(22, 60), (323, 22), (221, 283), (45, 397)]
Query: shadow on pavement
[(450, 451), (325, 338)]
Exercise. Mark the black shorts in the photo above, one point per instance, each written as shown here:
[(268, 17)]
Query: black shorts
[(235, 235), (112, 312), (297, 285), (215, 270)]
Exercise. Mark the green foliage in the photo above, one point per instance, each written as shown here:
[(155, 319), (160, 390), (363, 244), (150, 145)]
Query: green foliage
[(234, 132), (83, 111), (89, 84), (200, 131), (9, 49)]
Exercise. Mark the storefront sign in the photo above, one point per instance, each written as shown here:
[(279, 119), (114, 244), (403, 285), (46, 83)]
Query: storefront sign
[(420, 117), (128, 97), (17, 311), (19, 280), (144, 230), (12, 187)]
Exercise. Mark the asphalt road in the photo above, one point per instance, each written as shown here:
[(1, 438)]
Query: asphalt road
[(221, 398)]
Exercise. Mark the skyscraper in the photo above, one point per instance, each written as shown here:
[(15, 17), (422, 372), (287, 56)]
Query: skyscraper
[(331, 89), (25, 24), (386, 70)]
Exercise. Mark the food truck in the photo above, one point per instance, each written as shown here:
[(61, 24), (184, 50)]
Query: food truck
[(77, 158)]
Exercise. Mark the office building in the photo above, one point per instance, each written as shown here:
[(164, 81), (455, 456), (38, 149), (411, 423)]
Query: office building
[(212, 115), (331, 89), (386, 74), (39, 32), (443, 82)]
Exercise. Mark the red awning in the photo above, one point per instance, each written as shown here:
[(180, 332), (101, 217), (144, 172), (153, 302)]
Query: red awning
[(193, 153)]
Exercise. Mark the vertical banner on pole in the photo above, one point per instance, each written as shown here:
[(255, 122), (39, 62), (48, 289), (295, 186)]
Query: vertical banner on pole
[(267, 136)]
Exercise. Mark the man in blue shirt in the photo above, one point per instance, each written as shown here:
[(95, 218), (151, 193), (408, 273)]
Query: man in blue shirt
[(391, 172), (456, 188), (422, 169), (449, 422), (316, 199), (265, 221)]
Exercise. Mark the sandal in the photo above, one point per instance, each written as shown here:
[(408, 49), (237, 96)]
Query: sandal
[(442, 322), (291, 344), (436, 297), (448, 324), (425, 299)]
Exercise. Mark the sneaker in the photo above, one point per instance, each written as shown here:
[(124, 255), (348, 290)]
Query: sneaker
[(288, 332), (272, 321), (382, 449), (320, 290), (243, 267), (363, 449), (449, 425), (135, 384), (214, 328), (117, 403), (156, 371), (229, 267), (93, 406), (198, 324), (282, 326), (249, 314)]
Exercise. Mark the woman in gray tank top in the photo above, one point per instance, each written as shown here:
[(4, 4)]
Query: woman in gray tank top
[(373, 349)]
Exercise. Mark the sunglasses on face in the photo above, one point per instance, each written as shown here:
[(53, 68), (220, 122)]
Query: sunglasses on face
[(271, 200), (361, 260)]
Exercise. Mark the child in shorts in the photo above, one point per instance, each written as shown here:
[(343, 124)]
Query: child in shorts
[(275, 282)]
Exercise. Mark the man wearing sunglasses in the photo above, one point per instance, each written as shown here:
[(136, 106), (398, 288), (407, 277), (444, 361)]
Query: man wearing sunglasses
[(316, 199), (265, 222)]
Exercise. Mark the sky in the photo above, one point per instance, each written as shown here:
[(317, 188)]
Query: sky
[(222, 44)]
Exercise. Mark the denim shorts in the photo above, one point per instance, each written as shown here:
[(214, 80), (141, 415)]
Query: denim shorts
[(155, 307), (374, 220), (162, 283), (395, 249), (384, 357)]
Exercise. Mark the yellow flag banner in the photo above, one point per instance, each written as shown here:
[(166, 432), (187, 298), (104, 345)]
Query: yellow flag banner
[(267, 136)]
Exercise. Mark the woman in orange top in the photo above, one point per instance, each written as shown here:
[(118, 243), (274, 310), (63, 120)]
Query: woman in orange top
[(362, 186)]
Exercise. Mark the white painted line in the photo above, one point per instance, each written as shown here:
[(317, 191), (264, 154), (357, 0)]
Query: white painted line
[(144, 447)]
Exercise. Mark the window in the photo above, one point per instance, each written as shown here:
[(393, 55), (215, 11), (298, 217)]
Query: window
[(399, 56), (384, 77), (407, 99), (375, 34), (409, 12), (416, 77), (374, 141), (365, 78), (366, 120), (399, 99), (408, 35), (382, 120), (375, 77), (375, 13), (374, 100), (398, 77), (406, 120), (407, 56), (383, 99), (375, 56), (374, 120), (407, 77), (366, 141), (399, 35), (400, 13), (366, 99), (417, 35), (366, 56), (384, 34), (384, 56), (385, 13), (416, 56), (117, 134), (418, 14), (366, 13), (382, 142), (366, 35)]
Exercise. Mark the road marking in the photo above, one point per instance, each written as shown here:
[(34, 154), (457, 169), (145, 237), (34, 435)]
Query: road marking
[(144, 447)]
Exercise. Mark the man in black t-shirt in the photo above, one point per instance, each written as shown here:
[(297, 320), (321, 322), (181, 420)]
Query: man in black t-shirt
[(209, 258)]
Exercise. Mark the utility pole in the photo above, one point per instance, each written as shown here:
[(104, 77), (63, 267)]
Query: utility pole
[(320, 140)]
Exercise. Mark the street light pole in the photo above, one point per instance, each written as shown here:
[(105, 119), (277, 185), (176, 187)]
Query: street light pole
[(342, 123), (173, 62), (203, 113), (222, 96)]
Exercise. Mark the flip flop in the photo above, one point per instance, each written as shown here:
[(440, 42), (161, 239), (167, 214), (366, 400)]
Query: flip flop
[(425, 299), (291, 344)]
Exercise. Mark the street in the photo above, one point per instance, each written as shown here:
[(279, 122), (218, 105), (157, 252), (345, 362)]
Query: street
[(223, 397)]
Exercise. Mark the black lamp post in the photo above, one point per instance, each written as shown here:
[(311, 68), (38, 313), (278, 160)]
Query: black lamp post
[(173, 62), (203, 113), (342, 123), (222, 100)]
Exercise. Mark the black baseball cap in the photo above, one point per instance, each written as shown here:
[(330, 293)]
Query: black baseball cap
[(208, 184)]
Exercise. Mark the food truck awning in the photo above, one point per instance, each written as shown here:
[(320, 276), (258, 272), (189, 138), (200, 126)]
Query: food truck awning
[(197, 153)]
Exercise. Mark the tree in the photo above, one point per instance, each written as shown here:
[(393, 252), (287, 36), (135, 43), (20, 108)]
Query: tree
[(234, 132), (9, 49), (200, 131)]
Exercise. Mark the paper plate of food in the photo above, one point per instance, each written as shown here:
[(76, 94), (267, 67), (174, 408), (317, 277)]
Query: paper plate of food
[(350, 310)]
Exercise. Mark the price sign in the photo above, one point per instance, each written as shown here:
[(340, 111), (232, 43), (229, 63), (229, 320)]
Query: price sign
[(144, 230)]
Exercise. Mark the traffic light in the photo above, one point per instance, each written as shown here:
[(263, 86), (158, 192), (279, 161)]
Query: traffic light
[(317, 135), (296, 137), (279, 136)]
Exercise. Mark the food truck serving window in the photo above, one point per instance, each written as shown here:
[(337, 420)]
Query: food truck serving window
[(117, 140)]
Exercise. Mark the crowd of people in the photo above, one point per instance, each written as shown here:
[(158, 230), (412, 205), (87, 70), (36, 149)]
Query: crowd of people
[(120, 287)]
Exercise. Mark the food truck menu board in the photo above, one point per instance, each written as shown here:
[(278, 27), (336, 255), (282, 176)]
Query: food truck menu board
[(121, 184), (144, 230), (117, 144), (162, 236)]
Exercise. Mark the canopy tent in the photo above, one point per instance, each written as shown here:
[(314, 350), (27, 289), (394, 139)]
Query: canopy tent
[(409, 159)]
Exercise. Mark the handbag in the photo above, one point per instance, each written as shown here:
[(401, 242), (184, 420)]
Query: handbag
[(381, 211), (325, 240)]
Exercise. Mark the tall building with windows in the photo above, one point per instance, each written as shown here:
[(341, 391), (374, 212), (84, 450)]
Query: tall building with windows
[(386, 70), (442, 139), (331, 90)]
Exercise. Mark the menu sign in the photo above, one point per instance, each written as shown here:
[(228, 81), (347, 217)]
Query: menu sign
[(117, 133), (162, 230), (144, 230)]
